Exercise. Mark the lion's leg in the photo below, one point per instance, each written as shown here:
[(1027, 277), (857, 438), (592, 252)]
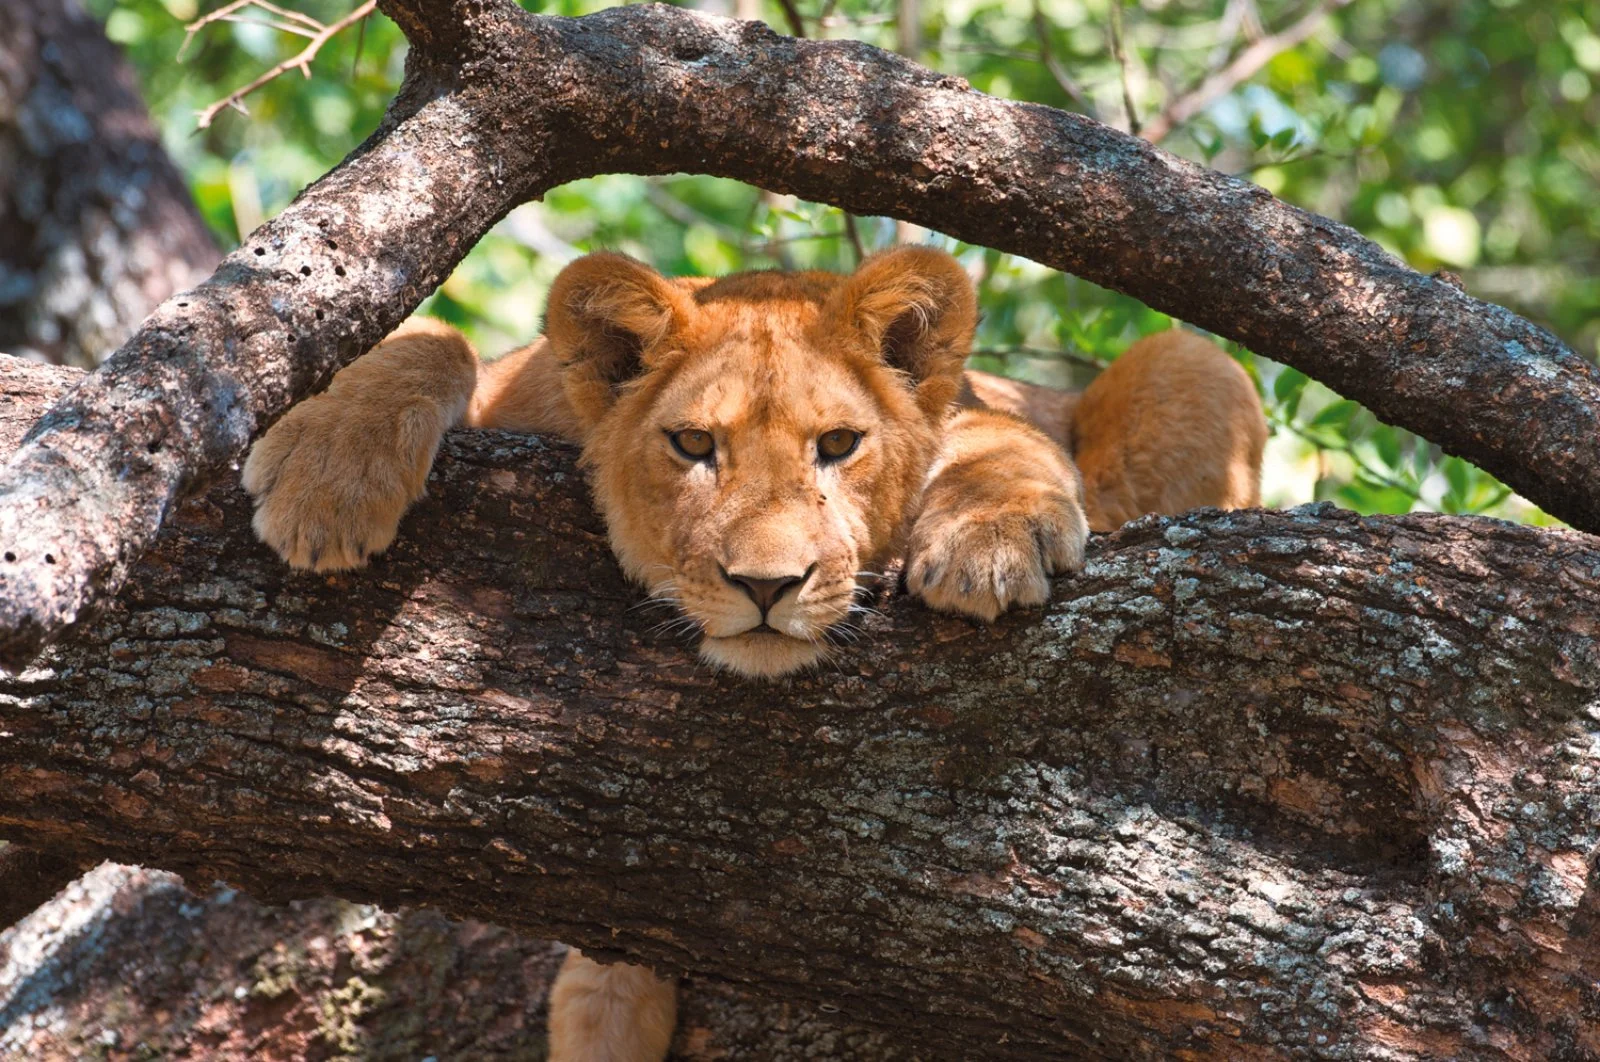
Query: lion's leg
[(332, 478), (1171, 425), (523, 392), (1002, 511), (616, 1013)]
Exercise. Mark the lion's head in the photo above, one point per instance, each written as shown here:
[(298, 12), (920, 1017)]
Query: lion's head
[(757, 443)]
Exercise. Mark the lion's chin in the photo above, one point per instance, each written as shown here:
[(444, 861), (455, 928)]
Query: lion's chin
[(761, 655)]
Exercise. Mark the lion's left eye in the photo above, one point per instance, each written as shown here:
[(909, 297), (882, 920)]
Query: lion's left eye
[(692, 443), (838, 444)]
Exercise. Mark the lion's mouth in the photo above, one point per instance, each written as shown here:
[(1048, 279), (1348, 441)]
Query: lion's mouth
[(763, 650)]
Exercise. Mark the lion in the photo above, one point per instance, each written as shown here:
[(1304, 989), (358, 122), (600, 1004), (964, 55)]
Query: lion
[(758, 445)]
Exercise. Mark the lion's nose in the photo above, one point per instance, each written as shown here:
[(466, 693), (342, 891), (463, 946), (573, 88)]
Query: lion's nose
[(765, 591)]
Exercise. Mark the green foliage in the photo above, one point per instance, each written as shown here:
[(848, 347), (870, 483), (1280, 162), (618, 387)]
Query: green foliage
[(1458, 133)]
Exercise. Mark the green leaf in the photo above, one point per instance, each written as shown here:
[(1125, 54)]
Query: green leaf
[(1336, 415)]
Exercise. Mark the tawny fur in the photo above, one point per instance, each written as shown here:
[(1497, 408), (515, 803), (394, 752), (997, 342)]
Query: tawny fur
[(972, 480), (616, 1013)]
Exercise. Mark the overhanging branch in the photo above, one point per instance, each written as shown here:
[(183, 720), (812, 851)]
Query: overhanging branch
[(1296, 782)]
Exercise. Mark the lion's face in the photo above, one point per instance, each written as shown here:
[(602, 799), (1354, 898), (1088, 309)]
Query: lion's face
[(759, 443)]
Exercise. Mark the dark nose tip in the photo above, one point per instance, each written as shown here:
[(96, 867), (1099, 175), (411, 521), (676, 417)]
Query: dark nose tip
[(766, 592)]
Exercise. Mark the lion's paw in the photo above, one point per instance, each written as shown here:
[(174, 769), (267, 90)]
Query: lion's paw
[(980, 561), (330, 483)]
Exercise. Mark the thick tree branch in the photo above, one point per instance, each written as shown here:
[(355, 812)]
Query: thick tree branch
[(96, 223), (1254, 783), (500, 105)]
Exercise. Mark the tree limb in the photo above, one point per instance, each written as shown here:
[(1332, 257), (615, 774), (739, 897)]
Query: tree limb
[(96, 223), (1253, 784), (317, 34), (500, 105), (1238, 70)]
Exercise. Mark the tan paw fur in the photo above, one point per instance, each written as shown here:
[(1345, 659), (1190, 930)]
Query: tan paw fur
[(1002, 513), (615, 1013), (333, 477)]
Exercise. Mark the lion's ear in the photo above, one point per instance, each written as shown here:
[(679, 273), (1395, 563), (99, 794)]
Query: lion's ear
[(916, 309), (607, 314)]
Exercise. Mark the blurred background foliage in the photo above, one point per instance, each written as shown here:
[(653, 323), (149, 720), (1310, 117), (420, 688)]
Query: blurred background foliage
[(1459, 134)]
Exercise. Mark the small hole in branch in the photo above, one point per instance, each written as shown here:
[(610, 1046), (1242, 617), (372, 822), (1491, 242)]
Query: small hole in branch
[(319, 315), (260, 251), (305, 271), (49, 558), (338, 271), (10, 557)]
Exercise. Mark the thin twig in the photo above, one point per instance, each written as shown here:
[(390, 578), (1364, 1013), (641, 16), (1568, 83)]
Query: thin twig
[(1242, 68), (684, 214), (281, 27), (1047, 56), (225, 13), (1048, 353), (301, 61), (1120, 51), (791, 15), (908, 29), (361, 42), (833, 21), (1382, 479), (854, 234)]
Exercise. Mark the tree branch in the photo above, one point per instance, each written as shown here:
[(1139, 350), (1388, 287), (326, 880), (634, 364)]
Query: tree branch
[(317, 33), (500, 105), (98, 223), (1052, 64), (1237, 71), (1254, 783)]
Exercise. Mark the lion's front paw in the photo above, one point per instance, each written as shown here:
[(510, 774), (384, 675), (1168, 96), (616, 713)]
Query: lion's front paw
[(331, 483), (980, 560)]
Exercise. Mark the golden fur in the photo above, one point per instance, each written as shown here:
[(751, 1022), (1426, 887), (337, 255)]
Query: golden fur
[(762, 542)]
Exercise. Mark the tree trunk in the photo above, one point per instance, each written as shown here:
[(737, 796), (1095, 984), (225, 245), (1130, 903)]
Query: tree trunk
[(96, 225), (1253, 785)]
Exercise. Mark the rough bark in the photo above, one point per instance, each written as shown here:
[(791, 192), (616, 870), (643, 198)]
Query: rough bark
[(500, 105), (96, 224), (1254, 784), (126, 964), (28, 879)]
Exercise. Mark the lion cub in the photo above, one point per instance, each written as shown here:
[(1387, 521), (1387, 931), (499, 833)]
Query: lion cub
[(758, 443)]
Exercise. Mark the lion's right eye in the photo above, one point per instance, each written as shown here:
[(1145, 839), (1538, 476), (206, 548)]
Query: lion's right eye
[(694, 444)]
